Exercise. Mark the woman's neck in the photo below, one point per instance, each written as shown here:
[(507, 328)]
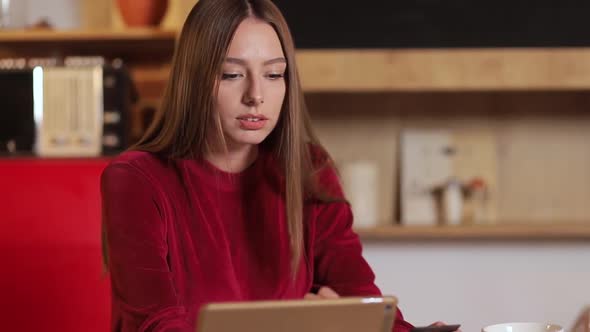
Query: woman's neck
[(234, 159)]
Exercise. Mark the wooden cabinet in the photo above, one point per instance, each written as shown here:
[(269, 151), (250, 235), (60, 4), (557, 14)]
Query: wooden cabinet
[(534, 101)]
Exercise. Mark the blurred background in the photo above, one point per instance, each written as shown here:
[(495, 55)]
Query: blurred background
[(461, 130)]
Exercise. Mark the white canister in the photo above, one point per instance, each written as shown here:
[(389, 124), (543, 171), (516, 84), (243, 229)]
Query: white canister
[(453, 202), (360, 181)]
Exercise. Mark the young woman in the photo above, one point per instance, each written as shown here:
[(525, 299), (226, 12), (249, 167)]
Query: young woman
[(229, 196)]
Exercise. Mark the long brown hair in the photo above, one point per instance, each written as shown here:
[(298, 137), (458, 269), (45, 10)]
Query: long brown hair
[(182, 125)]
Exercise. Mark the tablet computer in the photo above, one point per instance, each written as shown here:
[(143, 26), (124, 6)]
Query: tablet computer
[(348, 314)]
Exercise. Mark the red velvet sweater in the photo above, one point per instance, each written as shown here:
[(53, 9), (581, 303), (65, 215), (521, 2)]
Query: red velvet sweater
[(185, 233)]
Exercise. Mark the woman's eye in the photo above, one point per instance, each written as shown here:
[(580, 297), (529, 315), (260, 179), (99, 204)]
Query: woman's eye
[(230, 76), (275, 76)]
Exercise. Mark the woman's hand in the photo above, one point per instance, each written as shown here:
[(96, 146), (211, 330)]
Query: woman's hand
[(439, 323), (324, 293)]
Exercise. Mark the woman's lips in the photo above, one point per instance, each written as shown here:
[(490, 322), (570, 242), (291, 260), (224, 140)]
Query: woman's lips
[(252, 122)]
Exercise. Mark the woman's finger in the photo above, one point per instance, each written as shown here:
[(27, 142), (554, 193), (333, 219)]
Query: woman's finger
[(328, 293)]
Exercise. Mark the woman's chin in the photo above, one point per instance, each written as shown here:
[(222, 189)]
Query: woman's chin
[(253, 138)]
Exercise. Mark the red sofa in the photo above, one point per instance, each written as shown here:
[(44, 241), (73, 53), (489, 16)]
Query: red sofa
[(51, 277)]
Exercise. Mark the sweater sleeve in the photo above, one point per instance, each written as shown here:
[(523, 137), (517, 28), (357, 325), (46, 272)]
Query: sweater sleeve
[(338, 260), (143, 293)]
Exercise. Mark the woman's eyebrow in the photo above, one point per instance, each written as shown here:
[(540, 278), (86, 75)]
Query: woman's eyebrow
[(243, 62), (275, 60)]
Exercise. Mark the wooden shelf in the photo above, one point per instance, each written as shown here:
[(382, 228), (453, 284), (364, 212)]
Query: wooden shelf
[(500, 232), (345, 70), (350, 70), (415, 70), (73, 36), (131, 45), (440, 70)]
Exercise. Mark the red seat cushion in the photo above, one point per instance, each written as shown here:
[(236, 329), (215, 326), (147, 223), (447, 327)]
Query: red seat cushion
[(51, 277)]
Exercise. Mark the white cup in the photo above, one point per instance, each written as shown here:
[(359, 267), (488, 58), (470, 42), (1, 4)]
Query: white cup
[(523, 327)]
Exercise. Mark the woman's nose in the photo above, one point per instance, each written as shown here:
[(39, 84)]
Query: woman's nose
[(253, 95)]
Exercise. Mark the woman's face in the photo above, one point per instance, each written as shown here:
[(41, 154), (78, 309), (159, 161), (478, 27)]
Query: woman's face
[(252, 84)]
